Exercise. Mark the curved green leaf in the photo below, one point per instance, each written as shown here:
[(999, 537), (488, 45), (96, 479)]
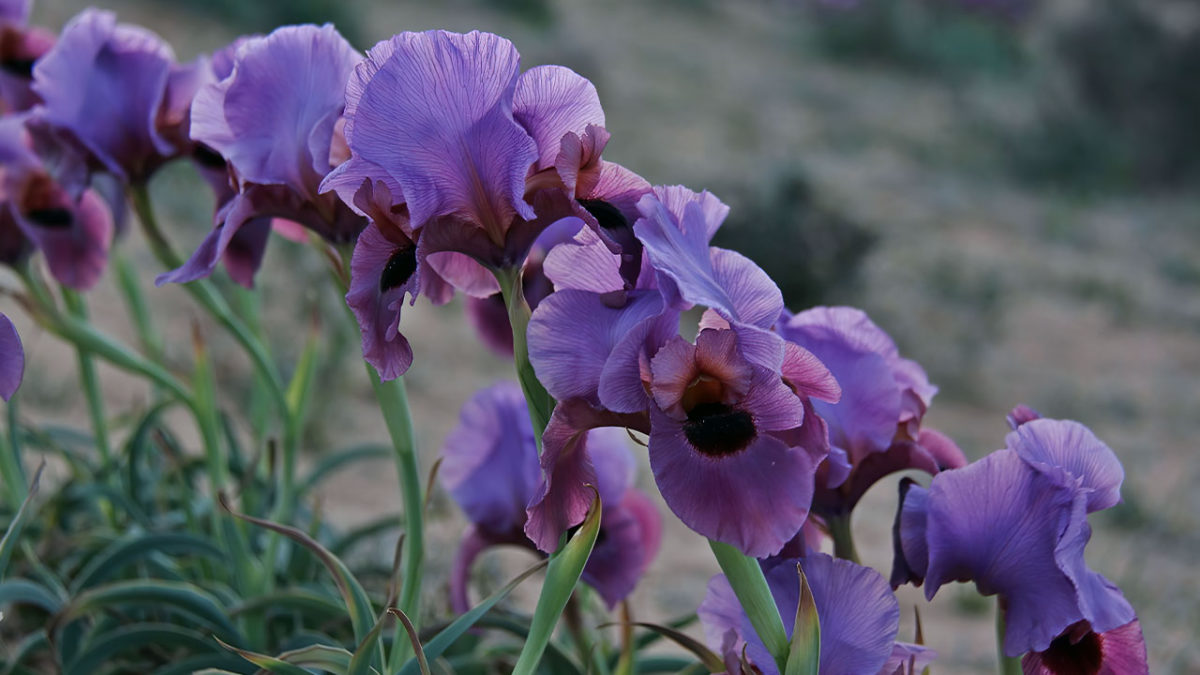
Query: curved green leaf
[(101, 648), (129, 550), (271, 664), (217, 662), (457, 628), (368, 650), (339, 460), (187, 599), (366, 531), (333, 659), (362, 616), (292, 599), (32, 643), (561, 576), (555, 658), (707, 657), (25, 592), (804, 654)]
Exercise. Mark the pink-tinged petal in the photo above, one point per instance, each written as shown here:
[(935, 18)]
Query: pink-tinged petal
[(1020, 415), (12, 358), (1073, 447), (456, 149), (563, 498), (578, 164), (807, 376), (1120, 651), (908, 659), (274, 126), (572, 333), (673, 370), (754, 499), (630, 533), (910, 547), (463, 273), (618, 186), (943, 449), (935, 452), (551, 102), (74, 237), (382, 272), (490, 462), (105, 82)]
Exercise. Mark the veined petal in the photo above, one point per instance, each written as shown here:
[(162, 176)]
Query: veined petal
[(274, 126), (1074, 448), (551, 102), (437, 114)]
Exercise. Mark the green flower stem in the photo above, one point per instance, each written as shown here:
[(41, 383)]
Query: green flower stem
[(393, 402), (139, 309), (1008, 665), (77, 308), (843, 538), (750, 587), (11, 471), (541, 404), (204, 292)]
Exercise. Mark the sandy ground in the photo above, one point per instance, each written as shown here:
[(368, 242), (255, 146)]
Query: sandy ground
[(1085, 308)]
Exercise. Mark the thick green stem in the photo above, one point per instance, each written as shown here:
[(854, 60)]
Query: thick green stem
[(393, 402), (77, 308), (1008, 665), (541, 404), (750, 586), (843, 538)]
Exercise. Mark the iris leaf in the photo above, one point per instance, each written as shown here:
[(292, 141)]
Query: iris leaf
[(750, 587)]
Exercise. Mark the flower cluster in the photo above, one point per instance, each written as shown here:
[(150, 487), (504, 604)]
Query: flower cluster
[(433, 165)]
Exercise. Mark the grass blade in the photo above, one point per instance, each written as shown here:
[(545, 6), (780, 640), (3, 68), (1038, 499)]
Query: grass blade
[(804, 654), (9, 541), (750, 587)]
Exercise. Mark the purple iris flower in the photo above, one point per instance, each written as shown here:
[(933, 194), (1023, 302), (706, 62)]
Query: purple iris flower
[(718, 443), (36, 212), (12, 358), (876, 425), (484, 157), (1015, 523), (116, 91), (20, 47), (275, 118), (858, 613), (1080, 650), (491, 470)]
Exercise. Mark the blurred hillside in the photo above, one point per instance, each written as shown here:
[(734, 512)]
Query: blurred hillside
[(1007, 188)]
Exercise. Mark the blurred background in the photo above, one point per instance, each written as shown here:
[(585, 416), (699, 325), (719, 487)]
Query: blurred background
[(1008, 187)]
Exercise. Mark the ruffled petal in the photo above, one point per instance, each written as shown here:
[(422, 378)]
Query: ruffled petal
[(551, 102), (1074, 448), (456, 150), (273, 126), (105, 83), (626, 376)]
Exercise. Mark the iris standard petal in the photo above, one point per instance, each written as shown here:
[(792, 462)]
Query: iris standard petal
[(551, 102), (1073, 447), (456, 149)]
